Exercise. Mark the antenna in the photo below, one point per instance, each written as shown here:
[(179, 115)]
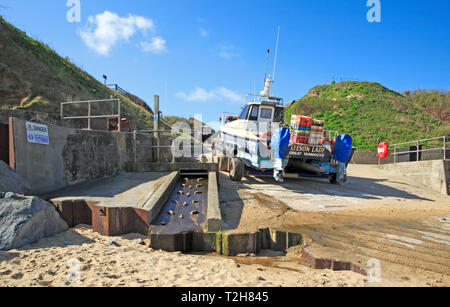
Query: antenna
[(267, 64), (276, 54)]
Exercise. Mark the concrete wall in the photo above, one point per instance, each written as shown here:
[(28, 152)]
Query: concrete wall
[(73, 156), (371, 157), (432, 174)]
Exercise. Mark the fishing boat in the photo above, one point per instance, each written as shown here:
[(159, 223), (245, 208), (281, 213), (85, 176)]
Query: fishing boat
[(258, 142)]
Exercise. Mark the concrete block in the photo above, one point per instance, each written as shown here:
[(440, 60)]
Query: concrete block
[(65, 209), (278, 240), (157, 199), (431, 174), (281, 240), (235, 244), (316, 262), (207, 242), (188, 242), (265, 240), (213, 214), (81, 212), (294, 239), (167, 242)]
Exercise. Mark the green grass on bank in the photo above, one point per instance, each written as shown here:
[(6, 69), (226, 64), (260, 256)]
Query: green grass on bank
[(370, 112)]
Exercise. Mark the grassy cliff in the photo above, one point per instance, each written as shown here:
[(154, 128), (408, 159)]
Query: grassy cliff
[(35, 77), (369, 111)]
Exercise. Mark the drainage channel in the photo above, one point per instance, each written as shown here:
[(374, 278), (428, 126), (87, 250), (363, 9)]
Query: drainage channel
[(185, 211)]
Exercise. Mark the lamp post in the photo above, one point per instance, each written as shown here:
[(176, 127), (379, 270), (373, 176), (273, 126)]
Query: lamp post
[(105, 77)]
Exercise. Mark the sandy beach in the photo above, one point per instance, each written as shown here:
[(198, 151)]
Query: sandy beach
[(129, 264)]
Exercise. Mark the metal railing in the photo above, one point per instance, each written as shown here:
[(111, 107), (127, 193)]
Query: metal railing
[(90, 116), (117, 88), (157, 147), (418, 149), (331, 134), (130, 96)]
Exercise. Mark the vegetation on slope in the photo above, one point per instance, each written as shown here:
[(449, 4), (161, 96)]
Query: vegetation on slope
[(370, 112), (35, 77)]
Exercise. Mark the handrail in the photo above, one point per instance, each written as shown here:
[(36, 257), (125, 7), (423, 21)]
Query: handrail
[(136, 147), (89, 116), (418, 149)]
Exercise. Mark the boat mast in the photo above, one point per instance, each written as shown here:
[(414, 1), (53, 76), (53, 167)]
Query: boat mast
[(276, 54)]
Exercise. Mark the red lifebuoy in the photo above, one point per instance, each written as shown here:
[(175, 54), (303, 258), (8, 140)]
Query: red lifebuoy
[(383, 150)]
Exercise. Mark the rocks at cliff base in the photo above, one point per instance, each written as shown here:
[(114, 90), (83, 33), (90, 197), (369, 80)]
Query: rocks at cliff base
[(11, 182), (26, 220)]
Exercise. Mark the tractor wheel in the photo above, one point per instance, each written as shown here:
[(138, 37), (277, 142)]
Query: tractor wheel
[(236, 169), (223, 164), (332, 178)]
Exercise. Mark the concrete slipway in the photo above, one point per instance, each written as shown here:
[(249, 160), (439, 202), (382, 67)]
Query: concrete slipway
[(385, 216), (379, 215)]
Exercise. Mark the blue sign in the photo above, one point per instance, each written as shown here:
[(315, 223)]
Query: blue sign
[(37, 134)]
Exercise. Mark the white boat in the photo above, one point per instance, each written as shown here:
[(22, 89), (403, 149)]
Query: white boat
[(244, 143)]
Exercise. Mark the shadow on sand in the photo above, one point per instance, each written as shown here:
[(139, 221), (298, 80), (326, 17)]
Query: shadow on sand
[(62, 240)]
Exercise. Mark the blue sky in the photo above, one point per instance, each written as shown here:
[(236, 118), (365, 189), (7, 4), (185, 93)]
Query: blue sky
[(210, 53)]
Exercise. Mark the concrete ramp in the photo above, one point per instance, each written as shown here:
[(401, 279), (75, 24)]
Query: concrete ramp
[(434, 175)]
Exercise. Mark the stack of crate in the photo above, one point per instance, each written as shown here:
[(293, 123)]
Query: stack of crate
[(301, 129), (317, 132)]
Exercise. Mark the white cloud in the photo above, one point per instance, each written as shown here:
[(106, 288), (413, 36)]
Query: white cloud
[(157, 45), (105, 30), (229, 94), (220, 94), (227, 51), (203, 32), (198, 94)]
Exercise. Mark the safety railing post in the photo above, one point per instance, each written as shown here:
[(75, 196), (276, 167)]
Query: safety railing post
[(120, 117), (89, 115), (395, 154), (445, 147), (418, 151), (135, 146)]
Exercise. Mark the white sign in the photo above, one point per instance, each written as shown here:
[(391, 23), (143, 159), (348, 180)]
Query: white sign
[(37, 134)]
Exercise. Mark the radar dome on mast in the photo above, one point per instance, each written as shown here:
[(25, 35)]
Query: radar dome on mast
[(267, 84)]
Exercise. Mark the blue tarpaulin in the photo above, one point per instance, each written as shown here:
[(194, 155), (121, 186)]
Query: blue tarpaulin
[(343, 148), (280, 142)]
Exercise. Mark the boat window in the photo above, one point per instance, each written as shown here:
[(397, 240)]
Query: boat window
[(244, 113), (254, 113), (279, 114), (266, 113)]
